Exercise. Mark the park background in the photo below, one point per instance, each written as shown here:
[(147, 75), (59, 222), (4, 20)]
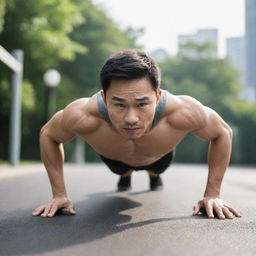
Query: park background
[(75, 37)]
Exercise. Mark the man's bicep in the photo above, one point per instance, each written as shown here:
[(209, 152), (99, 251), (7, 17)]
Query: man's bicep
[(57, 130), (214, 126)]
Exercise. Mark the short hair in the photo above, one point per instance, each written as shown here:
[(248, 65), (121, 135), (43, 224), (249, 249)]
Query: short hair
[(130, 64)]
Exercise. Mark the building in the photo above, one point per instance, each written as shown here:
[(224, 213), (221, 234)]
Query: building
[(236, 53), (250, 39), (202, 36)]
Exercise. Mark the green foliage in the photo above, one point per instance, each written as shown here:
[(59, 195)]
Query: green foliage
[(2, 13), (102, 37), (215, 83), (42, 29), (244, 126), (4, 117), (195, 50), (73, 36), (76, 37), (28, 96)]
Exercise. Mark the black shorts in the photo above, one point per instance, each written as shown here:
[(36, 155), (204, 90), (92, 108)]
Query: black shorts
[(157, 167)]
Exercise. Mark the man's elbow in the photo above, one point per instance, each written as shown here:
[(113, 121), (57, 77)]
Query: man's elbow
[(224, 134), (229, 132), (43, 131), (45, 134)]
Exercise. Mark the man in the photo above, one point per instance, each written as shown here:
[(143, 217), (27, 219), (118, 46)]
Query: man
[(134, 125)]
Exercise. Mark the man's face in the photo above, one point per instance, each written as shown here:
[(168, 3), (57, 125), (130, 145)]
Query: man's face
[(131, 106)]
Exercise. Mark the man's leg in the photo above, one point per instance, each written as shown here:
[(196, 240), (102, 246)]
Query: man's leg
[(157, 168), (121, 169), (153, 174), (124, 183), (155, 181)]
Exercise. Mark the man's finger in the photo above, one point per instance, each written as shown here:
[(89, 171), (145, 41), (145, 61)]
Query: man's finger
[(196, 209), (219, 212), (52, 211), (68, 211), (235, 212), (209, 210), (227, 213), (72, 210), (38, 210), (46, 210)]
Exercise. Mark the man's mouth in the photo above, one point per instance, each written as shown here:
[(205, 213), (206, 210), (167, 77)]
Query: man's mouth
[(131, 130)]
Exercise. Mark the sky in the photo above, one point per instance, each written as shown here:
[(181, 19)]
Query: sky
[(164, 20)]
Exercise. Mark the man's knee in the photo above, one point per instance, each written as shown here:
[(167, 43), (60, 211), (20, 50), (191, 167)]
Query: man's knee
[(126, 174), (156, 172)]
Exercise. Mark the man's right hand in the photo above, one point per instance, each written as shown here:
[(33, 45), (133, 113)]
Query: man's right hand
[(51, 207)]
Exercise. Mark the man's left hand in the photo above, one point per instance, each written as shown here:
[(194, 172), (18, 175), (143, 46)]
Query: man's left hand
[(215, 205)]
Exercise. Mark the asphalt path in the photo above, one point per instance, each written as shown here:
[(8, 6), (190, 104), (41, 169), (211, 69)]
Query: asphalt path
[(134, 223)]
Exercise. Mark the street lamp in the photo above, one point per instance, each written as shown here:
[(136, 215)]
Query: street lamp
[(52, 79)]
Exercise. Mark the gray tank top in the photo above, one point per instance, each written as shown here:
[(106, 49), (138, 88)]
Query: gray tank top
[(158, 113)]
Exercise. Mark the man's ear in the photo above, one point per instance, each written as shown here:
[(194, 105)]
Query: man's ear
[(103, 95), (158, 95)]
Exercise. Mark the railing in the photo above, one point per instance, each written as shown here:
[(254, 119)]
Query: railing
[(15, 62)]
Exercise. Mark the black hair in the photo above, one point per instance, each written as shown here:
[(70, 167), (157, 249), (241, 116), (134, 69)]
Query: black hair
[(130, 64)]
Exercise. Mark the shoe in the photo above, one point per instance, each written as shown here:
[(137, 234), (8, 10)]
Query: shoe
[(156, 183), (124, 183)]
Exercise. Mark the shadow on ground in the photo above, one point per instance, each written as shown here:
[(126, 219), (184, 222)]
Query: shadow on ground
[(98, 216)]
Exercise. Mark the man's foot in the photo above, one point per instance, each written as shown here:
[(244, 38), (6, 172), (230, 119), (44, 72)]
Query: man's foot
[(124, 183), (156, 183)]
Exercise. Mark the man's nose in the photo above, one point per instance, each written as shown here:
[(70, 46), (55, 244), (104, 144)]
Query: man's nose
[(131, 117)]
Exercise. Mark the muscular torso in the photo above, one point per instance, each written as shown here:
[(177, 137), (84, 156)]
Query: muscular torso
[(148, 149), (160, 140)]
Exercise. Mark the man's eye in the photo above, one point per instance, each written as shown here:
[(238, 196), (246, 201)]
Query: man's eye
[(119, 105), (141, 105)]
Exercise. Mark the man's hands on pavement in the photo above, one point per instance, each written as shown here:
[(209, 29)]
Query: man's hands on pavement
[(215, 205), (50, 208), (210, 205)]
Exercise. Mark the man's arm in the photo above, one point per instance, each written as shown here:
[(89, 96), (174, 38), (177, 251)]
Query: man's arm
[(52, 135), (219, 134), (79, 117)]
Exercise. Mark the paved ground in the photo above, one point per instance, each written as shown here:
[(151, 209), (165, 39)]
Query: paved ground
[(132, 223)]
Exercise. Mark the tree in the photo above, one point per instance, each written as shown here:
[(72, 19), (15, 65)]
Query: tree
[(42, 30), (2, 13), (215, 83), (102, 37), (73, 36)]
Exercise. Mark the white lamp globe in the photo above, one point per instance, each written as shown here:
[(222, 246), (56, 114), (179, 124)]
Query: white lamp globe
[(52, 78)]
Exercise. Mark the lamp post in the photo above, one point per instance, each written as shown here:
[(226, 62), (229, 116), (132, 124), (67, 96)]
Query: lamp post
[(52, 79)]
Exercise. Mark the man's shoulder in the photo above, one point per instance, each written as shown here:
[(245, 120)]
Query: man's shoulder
[(82, 114), (185, 112)]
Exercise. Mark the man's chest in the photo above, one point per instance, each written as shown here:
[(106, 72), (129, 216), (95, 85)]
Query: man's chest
[(150, 147)]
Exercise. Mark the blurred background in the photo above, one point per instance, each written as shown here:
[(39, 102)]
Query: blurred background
[(205, 49)]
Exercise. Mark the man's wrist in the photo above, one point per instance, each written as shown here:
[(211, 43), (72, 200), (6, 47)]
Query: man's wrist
[(211, 196), (214, 193), (212, 189), (59, 193)]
